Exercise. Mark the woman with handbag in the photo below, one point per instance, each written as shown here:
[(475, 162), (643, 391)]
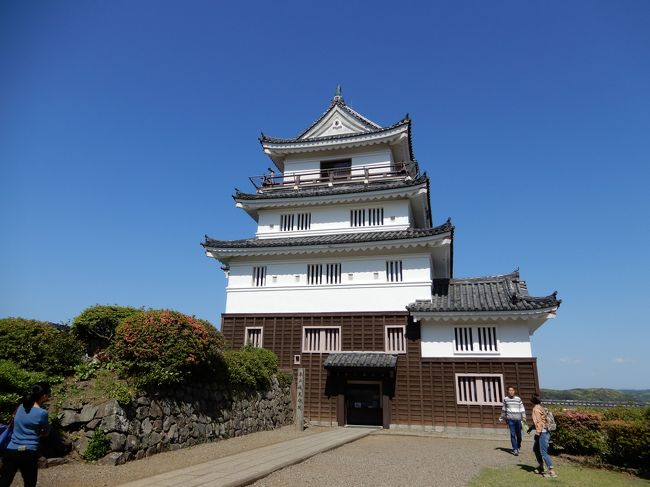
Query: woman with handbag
[(29, 424)]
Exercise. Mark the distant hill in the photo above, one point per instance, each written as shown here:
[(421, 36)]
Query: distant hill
[(598, 394)]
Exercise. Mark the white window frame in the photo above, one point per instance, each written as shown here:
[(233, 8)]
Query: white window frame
[(322, 341), (479, 345), (261, 339), (478, 391), (387, 341)]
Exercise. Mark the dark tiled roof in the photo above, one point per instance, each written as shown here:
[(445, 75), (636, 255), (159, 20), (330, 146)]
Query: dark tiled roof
[(361, 359), (326, 190), (489, 293), (339, 238), (273, 140)]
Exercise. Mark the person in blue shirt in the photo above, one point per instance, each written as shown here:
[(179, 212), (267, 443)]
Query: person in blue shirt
[(30, 423)]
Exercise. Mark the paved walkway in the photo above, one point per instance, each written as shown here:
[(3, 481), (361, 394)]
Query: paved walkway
[(248, 466)]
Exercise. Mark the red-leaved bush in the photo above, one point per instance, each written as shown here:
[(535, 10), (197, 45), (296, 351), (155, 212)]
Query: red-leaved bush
[(167, 347)]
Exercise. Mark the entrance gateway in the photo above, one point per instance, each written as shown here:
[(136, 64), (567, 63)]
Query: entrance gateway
[(364, 383)]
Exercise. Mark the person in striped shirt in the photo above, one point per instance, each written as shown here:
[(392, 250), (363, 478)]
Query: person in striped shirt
[(514, 413)]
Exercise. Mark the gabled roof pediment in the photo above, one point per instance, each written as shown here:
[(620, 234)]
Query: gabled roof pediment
[(339, 119)]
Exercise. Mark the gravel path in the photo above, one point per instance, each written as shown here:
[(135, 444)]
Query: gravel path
[(391, 460), (79, 474), (381, 459)]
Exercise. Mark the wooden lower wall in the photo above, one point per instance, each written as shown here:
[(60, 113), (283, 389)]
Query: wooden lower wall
[(425, 393)]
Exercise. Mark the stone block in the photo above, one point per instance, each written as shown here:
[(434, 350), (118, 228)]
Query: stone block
[(147, 426), (87, 413)]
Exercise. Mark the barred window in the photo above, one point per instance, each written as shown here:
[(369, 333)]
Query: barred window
[(333, 273), (483, 389), (295, 221), (394, 271), (395, 339), (321, 340), (259, 276), (366, 217), (254, 336), (315, 275), (476, 339)]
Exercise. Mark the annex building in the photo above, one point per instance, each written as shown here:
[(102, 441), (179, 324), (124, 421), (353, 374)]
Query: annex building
[(349, 278)]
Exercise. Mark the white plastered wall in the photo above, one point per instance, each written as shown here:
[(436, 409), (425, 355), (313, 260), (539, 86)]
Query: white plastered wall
[(363, 285), (437, 338), (327, 219), (307, 166)]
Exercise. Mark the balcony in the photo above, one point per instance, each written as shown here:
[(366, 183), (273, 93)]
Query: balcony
[(398, 171)]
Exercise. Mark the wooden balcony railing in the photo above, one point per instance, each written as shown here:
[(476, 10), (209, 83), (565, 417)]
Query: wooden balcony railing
[(331, 177)]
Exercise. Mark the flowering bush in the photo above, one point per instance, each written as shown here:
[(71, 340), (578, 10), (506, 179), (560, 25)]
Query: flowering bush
[(579, 432), (167, 347)]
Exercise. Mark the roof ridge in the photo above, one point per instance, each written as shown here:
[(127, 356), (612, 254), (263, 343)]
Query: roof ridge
[(514, 275)]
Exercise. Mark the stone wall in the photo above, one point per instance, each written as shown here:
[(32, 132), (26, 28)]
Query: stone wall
[(175, 418)]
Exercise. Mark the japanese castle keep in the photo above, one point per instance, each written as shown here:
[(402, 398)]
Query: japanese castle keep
[(349, 278)]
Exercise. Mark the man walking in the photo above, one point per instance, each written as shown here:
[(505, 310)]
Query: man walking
[(514, 413)]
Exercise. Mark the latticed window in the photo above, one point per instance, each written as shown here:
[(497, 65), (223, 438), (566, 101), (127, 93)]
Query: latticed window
[(321, 340), (333, 273), (254, 336), (259, 276), (476, 339), (395, 339), (394, 271), (295, 221), (483, 389), (316, 276), (366, 217)]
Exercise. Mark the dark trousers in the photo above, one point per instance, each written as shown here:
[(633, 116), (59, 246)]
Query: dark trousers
[(515, 433), (26, 461)]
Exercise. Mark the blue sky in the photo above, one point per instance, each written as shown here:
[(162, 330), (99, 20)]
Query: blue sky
[(125, 126)]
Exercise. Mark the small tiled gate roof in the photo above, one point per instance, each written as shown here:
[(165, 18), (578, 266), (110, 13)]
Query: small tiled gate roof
[(361, 359), (489, 293)]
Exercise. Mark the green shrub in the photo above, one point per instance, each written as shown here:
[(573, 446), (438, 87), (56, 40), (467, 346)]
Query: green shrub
[(86, 370), (628, 443), (95, 326), (579, 432), (624, 413), (285, 378), (14, 383), (38, 346), (251, 367), (98, 446), (167, 347)]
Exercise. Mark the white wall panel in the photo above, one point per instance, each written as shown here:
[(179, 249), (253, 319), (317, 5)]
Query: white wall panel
[(438, 338)]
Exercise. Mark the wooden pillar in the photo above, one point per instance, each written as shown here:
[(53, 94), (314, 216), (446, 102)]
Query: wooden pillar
[(385, 399), (340, 408)]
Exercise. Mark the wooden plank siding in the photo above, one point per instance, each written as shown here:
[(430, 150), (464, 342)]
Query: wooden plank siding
[(425, 389)]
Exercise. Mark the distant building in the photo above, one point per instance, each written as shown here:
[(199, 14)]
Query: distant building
[(348, 278)]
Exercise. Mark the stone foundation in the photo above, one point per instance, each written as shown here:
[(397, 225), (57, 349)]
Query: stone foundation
[(176, 418)]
